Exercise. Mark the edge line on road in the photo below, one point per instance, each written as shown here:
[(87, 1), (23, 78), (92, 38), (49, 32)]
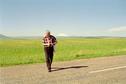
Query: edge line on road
[(107, 69)]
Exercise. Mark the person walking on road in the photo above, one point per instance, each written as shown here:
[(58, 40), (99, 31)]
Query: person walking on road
[(49, 41)]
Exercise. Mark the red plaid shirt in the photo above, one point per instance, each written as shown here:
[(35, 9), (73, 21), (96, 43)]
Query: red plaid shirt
[(49, 41)]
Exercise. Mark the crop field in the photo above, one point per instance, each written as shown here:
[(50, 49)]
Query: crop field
[(28, 51)]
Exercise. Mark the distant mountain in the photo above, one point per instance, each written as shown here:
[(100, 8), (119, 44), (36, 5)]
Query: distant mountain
[(3, 36), (91, 37)]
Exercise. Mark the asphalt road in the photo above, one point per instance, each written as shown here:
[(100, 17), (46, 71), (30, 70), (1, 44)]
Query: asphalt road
[(105, 70)]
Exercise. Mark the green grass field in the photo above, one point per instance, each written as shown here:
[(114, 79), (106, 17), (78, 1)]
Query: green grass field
[(27, 51)]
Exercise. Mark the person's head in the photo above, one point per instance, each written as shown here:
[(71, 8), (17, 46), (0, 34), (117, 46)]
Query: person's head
[(47, 33)]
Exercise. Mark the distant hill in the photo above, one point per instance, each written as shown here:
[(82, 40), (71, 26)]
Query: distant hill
[(90, 37), (3, 36), (40, 37)]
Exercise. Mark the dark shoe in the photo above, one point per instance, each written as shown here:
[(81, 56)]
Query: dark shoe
[(49, 70)]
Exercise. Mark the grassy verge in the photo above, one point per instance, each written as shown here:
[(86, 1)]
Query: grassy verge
[(27, 51)]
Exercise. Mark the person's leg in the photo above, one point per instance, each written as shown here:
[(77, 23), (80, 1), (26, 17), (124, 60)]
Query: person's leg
[(51, 54), (49, 58), (48, 63)]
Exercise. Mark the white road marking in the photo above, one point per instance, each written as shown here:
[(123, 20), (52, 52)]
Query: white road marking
[(107, 69)]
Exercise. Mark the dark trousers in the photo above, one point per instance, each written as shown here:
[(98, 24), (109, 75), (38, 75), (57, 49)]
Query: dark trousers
[(49, 56)]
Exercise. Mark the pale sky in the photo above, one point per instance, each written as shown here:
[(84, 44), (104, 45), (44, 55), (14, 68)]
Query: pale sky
[(63, 17)]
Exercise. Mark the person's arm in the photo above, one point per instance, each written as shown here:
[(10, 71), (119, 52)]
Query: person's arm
[(55, 41), (43, 42)]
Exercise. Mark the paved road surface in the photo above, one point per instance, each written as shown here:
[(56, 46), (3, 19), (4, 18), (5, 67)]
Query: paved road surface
[(105, 70)]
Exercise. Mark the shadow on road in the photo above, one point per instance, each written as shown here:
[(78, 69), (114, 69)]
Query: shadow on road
[(71, 67)]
